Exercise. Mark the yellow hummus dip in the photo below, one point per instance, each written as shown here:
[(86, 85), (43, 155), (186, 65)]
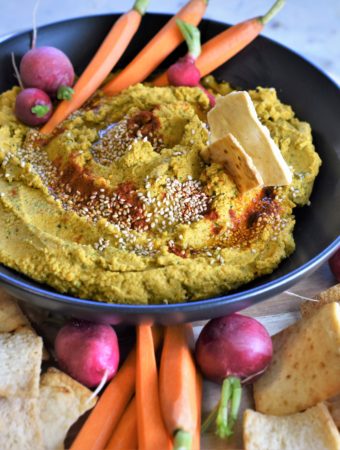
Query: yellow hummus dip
[(119, 206)]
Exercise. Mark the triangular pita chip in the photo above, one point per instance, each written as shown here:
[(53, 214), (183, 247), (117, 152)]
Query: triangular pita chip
[(20, 362), (305, 368), (311, 429), (334, 408), (62, 401), (230, 153), (235, 113), (20, 424), (330, 295), (11, 316)]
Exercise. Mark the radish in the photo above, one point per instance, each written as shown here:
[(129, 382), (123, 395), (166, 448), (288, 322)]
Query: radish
[(184, 72), (48, 69), (33, 107), (88, 351), (229, 349), (334, 264)]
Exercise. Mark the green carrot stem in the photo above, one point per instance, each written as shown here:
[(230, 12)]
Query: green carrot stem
[(141, 6), (40, 110), (182, 440), (272, 12), (65, 93), (192, 37)]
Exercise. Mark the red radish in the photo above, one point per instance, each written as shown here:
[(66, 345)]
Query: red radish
[(184, 72), (33, 107), (49, 69), (334, 264), (87, 351), (230, 348)]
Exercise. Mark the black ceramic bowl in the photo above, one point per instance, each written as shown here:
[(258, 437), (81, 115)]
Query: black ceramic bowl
[(314, 97)]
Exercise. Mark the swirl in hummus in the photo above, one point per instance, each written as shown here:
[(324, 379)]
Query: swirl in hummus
[(119, 205)]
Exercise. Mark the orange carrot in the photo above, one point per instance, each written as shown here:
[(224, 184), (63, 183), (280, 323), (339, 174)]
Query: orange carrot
[(160, 46), (196, 445), (98, 428), (152, 433), (178, 385), (101, 64), (125, 435), (227, 44)]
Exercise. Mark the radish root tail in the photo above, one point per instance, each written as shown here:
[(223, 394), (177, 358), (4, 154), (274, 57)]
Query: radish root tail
[(34, 24), (16, 71), (99, 387)]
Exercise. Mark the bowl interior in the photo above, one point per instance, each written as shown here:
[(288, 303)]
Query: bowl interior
[(312, 95)]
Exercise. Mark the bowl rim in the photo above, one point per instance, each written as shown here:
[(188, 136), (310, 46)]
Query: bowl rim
[(182, 307)]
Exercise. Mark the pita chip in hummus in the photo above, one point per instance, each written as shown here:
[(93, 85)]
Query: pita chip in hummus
[(230, 153), (235, 113)]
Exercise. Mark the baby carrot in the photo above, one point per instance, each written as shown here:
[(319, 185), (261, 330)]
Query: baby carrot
[(160, 46), (101, 64), (98, 428), (152, 433), (196, 445), (124, 436), (227, 44), (178, 386)]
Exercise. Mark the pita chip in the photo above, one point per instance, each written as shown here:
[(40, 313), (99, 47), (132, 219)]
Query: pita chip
[(328, 296), (11, 316), (334, 408), (20, 362), (305, 368), (311, 429), (62, 401), (235, 113), (19, 424), (230, 153)]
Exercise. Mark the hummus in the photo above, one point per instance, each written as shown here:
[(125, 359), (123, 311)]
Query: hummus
[(119, 205)]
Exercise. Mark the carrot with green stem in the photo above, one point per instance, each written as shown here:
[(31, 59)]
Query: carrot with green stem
[(152, 433), (101, 64), (160, 46), (102, 421), (178, 386), (227, 44)]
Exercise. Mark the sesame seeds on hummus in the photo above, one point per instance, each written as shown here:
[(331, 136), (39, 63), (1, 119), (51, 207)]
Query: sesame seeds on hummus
[(119, 205)]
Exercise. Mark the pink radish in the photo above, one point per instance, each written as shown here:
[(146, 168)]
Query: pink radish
[(184, 72), (33, 107), (87, 351), (229, 349), (49, 69)]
